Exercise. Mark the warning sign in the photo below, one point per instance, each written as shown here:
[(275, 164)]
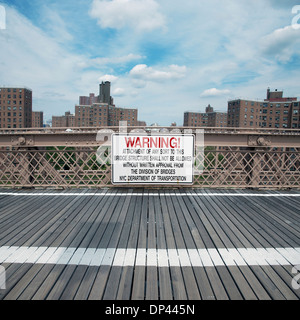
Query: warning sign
[(157, 159)]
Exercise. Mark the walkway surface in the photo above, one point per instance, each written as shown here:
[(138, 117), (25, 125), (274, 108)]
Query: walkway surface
[(140, 244)]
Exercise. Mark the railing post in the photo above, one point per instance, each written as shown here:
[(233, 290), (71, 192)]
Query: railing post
[(24, 167), (256, 168)]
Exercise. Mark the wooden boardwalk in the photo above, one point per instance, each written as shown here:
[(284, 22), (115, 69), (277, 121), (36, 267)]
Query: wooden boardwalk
[(140, 244)]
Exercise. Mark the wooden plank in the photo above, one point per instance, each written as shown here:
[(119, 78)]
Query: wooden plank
[(14, 280), (272, 278), (190, 237), (108, 240), (22, 228), (177, 223), (86, 283), (235, 239), (126, 280), (272, 233), (274, 219), (20, 275), (201, 276), (72, 229), (13, 211), (171, 228), (38, 234), (122, 235), (209, 234), (234, 235), (138, 284), (231, 277), (56, 279), (40, 284), (164, 277), (151, 270), (50, 273), (286, 208)]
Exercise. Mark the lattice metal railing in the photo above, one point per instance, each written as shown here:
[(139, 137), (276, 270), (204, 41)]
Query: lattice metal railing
[(227, 167)]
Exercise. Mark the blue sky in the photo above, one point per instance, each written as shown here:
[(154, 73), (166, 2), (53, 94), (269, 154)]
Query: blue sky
[(163, 57)]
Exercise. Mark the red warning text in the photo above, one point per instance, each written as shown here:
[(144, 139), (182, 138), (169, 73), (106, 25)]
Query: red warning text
[(153, 142)]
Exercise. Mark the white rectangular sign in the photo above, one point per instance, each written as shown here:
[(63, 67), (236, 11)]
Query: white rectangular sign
[(155, 159)]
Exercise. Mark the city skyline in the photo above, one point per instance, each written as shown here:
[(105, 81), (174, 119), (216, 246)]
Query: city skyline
[(162, 57)]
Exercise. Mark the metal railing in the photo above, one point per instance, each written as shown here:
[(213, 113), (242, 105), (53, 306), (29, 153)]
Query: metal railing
[(232, 158)]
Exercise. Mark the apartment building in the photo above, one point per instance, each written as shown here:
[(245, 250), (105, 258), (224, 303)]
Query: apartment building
[(97, 111), (88, 100), (37, 119), (295, 115), (15, 107), (95, 115), (66, 121), (104, 115), (209, 118), (275, 111), (123, 114)]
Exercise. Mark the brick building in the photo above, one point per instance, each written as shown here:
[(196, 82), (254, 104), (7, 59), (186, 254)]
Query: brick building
[(209, 118), (66, 121), (104, 115), (275, 111), (97, 111), (84, 100), (37, 119), (295, 115), (15, 108)]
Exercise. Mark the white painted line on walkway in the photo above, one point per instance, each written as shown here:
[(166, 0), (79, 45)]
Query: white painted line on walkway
[(108, 257), (121, 257), (215, 256), (98, 257), (129, 257), (141, 257), (173, 258), (152, 258), (264, 195)]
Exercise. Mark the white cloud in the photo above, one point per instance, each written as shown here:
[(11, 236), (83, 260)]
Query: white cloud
[(115, 60), (32, 57), (137, 14), (108, 77), (145, 73), (56, 26), (37, 60), (281, 43), (213, 92), (118, 92)]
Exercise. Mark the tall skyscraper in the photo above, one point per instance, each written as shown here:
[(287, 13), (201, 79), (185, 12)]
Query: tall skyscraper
[(104, 93)]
